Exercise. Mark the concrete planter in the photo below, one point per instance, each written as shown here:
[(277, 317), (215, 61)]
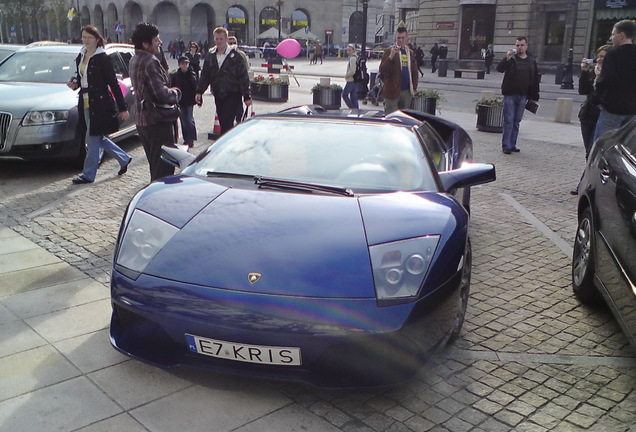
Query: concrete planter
[(269, 92), (424, 104), (489, 118), (328, 98)]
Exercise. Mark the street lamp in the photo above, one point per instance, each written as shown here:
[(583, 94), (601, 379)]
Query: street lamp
[(363, 54), (568, 81), (279, 3)]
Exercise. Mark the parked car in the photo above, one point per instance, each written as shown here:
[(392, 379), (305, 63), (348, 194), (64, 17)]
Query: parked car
[(323, 247), (604, 259), (38, 112), (6, 50)]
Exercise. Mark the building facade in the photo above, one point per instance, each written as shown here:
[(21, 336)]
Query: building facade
[(466, 27)]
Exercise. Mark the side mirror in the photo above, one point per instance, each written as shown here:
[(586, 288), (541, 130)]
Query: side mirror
[(176, 157), (469, 174)]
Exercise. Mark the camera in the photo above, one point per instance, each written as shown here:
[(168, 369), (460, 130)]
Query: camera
[(514, 50), (589, 61), (73, 80)]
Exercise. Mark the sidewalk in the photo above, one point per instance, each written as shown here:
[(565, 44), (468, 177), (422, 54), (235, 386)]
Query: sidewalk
[(59, 372)]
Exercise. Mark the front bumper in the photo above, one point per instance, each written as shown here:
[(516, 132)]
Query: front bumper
[(343, 342)]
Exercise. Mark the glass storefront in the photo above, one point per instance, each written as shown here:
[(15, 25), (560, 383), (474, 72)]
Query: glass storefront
[(477, 31)]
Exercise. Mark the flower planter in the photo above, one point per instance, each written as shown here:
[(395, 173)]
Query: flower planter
[(424, 104), (489, 118), (269, 92), (328, 98)]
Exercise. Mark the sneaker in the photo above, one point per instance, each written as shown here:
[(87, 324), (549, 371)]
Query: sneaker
[(506, 151), (82, 180), (123, 169)]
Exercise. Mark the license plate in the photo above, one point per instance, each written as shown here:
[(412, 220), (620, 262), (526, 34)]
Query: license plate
[(272, 355)]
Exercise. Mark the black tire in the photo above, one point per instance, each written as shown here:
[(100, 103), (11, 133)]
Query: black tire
[(464, 295), (583, 261)]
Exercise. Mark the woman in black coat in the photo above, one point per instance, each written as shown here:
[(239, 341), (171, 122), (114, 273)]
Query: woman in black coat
[(194, 56), (95, 77)]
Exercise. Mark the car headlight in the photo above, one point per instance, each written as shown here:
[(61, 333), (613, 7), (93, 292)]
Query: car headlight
[(399, 268), (34, 118), (145, 236)]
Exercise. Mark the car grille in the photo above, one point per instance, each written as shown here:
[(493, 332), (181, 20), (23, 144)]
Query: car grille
[(5, 121)]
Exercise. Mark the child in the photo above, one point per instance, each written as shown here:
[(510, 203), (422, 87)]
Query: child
[(185, 79)]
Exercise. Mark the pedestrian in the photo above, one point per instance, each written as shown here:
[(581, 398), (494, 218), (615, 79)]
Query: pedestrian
[(399, 73), (194, 56), (616, 86), (419, 59), (94, 77), (489, 56), (151, 83), (350, 91), (590, 109), (185, 80), (434, 54), (318, 52), (520, 83), (225, 72)]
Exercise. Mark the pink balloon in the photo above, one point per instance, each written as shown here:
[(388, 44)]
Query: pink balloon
[(288, 48)]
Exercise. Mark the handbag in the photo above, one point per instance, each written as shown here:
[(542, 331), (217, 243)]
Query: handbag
[(246, 113), (162, 112)]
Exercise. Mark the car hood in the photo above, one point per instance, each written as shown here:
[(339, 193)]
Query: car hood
[(299, 244), (19, 98)]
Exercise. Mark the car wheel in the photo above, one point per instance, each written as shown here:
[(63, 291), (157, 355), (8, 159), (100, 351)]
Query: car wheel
[(464, 294), (583, 261)]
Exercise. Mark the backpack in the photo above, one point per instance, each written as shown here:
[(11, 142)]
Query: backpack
[(361, 74)]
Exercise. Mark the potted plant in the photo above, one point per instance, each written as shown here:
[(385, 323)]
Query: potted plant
[(489, 112), (329, 96), (427, 100), (269, 88)]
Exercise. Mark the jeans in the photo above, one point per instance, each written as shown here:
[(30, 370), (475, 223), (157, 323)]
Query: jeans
[(402, 102), (608, 121), (94, 143), (188, 127), (350, 94), (513, 108)]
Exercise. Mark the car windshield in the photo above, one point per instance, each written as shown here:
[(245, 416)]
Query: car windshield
[(40, 67), (356, 155)]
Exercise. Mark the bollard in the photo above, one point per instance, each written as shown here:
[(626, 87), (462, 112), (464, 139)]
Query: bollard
[(563, 110)]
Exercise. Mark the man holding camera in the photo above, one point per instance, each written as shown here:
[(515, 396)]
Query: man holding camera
[(616, 87), (399, 73), (520, 84)]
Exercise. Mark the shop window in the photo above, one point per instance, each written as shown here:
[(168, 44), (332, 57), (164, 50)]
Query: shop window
[(478, 27), (555, 28)]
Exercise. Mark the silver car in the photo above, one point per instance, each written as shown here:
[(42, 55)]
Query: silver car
[(38, 112)]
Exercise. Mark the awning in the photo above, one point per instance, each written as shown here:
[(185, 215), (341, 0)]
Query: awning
[(615, 14), (272, 33), (301, 34)]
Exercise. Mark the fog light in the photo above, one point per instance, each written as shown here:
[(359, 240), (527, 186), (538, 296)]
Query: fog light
[(47, 147)]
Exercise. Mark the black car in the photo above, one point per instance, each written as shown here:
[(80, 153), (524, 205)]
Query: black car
[(604, 259)]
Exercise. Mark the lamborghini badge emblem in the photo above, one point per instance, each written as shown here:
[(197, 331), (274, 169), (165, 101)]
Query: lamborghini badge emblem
[(252, 278)]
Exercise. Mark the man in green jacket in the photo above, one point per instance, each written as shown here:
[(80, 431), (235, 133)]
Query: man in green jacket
[(225, 72)]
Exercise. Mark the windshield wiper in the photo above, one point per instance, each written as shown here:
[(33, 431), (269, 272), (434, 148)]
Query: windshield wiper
[(288, 184), (228, 174)]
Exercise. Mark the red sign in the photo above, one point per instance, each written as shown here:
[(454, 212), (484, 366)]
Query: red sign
[(445, 25), (329, 32)]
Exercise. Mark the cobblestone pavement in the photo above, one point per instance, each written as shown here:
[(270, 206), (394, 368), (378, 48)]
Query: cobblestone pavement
[(530, 357)]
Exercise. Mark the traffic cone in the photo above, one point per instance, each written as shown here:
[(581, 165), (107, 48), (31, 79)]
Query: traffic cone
[(216, 132)]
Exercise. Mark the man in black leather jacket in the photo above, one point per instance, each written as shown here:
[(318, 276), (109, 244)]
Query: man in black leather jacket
[(225, 71)]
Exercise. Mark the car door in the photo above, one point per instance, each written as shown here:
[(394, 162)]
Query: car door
[(616, 210), (120, 66)]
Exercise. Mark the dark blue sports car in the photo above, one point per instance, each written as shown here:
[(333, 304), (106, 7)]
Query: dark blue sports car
[(325, 247)]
